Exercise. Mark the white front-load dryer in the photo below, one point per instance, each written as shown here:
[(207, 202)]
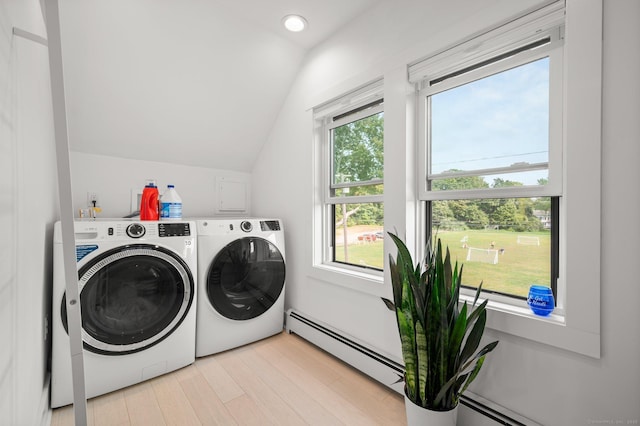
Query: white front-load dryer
[(241, 282), (138, 301)]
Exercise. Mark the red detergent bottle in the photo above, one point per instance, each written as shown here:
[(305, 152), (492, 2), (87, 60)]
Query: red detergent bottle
[(149, 202)]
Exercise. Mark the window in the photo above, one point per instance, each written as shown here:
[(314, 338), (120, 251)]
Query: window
[(355, 143), (573, 185), (491, 159), (352, 139)]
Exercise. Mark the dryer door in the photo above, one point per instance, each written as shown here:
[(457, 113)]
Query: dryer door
[(246, 278), (132, 297)]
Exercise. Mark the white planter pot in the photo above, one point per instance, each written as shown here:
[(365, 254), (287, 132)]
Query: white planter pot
[(419, 416)]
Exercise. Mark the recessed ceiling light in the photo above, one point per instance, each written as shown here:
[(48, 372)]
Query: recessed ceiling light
[(295, 23)]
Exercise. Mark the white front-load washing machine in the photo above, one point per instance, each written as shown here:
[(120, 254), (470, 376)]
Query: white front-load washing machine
[(241, 282), (138, 301)]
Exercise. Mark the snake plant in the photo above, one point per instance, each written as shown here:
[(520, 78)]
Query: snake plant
[(440, 341)]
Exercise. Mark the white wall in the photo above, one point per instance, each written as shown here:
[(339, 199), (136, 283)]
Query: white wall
[(113, 180), (28, 208), (546, 384), (365, 50)]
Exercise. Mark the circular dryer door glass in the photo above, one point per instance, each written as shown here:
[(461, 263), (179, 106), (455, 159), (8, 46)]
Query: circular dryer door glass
[(132, 297), (246, 278)]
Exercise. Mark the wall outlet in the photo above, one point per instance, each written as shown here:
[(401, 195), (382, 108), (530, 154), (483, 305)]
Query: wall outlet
[(92, 199)]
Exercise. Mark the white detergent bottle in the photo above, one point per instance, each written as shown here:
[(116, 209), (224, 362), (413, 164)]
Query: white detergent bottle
[(170, 204)]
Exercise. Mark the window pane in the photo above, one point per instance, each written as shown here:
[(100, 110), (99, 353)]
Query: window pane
[(493, 122), (359, 240), (358, 150), (504, 243)]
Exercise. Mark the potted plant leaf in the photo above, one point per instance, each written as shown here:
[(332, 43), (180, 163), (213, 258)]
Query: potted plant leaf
[(439, 339)]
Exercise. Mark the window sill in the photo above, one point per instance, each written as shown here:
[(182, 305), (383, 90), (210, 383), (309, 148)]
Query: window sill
[(552, 330), (370, 282)]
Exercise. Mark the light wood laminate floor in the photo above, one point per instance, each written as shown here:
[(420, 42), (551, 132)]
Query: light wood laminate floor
[(282, 380)]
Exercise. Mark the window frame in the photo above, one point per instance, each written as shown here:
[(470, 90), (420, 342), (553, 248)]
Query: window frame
[(577, 328), (350, 275)]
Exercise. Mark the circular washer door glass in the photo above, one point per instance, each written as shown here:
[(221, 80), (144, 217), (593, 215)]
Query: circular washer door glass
[(246, 278), (132, 297)]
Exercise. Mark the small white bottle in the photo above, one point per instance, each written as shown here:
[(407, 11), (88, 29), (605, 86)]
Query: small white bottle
[(170, 204)]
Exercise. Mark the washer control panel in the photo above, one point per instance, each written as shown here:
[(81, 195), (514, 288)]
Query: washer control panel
[(246, 226), (86, 231)]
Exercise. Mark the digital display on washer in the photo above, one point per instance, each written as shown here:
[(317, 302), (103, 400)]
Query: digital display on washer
[(270, 225), (174, 230)]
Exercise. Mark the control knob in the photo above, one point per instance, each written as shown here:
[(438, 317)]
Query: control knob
[(135, 230)]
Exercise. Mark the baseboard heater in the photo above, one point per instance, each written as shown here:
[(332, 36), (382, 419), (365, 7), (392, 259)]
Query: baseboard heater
[(474, 409)]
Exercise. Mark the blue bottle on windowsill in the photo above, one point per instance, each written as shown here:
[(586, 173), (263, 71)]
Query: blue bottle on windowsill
[(541, 300)]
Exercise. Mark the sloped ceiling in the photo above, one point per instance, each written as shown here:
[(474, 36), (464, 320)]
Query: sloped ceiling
[(195, 82)]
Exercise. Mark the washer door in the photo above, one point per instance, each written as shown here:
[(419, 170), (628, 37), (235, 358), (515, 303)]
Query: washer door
[(245, 278), (132, 297)]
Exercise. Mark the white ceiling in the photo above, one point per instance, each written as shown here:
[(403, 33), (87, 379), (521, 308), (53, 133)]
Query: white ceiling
[(324, 16), (195, 82)]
